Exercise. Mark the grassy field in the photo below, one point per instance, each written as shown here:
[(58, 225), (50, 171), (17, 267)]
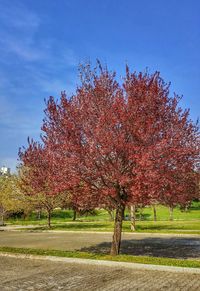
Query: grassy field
[(146, 214), (184, 222), (119, 258)]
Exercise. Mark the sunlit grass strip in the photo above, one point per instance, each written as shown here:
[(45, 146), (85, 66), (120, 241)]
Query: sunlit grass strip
[(119, 258), (175, 227)]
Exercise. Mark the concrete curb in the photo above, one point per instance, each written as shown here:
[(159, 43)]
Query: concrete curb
[(105, 263)]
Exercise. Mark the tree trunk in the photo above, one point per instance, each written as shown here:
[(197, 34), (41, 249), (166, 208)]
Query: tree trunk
[(171, 213), (39, 214), (186, 208), (49, 218), (133, 217), (74, 215), (141, 213), (154, 213), (110, 212), (2, 220), (116, 242)]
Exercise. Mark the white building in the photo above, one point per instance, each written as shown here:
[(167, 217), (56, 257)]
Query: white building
[(4, 171)]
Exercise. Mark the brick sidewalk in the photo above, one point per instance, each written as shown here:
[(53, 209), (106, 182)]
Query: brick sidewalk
[(25, 274)]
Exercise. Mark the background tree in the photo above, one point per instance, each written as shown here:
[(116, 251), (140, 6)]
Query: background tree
[(36, 178), (10, 196)]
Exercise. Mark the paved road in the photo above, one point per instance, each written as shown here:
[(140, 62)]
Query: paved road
[(183, 246), (29, 274)]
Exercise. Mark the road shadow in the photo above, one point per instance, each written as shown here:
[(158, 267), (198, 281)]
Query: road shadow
[(179, 248)]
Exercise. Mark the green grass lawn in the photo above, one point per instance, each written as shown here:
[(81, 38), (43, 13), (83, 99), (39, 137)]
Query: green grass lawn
[(163, 213), (184, 222), (184, 227), (119, 258)]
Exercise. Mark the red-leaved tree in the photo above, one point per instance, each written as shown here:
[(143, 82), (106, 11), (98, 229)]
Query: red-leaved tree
[(37, 169), (115, 144)]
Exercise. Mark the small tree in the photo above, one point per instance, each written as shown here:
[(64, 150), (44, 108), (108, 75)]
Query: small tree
[(10, 196), (36, 171)]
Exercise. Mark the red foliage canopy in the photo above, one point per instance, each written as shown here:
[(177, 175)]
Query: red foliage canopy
[(122, 143)]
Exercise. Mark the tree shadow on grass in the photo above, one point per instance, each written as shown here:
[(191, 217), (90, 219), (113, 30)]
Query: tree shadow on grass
[(75, 226), (178, 248), (166, 226), (78, 226)]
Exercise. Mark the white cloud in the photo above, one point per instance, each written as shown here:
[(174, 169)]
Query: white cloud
[(32, 68), (23, 49), (18, 26), (17, 16)]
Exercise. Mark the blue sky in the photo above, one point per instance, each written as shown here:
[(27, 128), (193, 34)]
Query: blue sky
[(42, 43)]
